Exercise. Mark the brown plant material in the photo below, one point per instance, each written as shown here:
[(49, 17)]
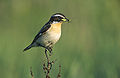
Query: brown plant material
[(59, 75), (47, 67), (31, 73)]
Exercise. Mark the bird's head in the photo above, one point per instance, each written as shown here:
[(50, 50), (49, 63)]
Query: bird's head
[(58, 17)]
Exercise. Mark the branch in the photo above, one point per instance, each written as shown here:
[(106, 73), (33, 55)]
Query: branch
[(47, 67), (31, 72), (59, 75)]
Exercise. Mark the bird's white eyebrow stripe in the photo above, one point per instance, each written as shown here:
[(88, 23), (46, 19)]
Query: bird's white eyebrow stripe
[(59, 15)]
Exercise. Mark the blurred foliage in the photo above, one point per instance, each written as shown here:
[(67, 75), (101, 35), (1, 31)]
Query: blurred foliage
[(89, 46)]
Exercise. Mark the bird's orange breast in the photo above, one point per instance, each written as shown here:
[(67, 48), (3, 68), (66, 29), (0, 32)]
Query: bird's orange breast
[(55, 28), (52, 35)]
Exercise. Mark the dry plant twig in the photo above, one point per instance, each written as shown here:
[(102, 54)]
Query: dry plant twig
[(59, 75), (47, 67), (31, 73)]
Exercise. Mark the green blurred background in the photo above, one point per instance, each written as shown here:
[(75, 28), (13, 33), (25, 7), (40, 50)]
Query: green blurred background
[(89, 46)]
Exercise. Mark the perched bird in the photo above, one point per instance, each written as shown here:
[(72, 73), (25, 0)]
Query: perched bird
[(49, 33)]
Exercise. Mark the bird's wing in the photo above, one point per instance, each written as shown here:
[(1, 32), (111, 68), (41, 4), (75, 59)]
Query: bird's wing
[(43, 30), (45, 27)]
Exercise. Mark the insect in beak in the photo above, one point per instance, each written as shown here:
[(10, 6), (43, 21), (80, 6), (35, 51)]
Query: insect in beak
[(65, 20)]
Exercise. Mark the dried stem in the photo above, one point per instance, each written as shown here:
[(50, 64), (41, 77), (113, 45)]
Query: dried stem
[(47, 67), (59, 75), (31, 72)]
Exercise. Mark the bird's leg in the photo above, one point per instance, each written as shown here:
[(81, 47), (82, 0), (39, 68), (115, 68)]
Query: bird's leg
[(46, 54), (49, 47), (50, 50)]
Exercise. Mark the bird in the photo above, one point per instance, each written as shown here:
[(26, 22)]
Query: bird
[(50, 33)]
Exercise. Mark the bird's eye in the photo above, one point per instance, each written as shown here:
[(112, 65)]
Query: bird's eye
[(59, 17)]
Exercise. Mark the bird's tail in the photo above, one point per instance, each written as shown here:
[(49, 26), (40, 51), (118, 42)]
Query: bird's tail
[(27, 48)]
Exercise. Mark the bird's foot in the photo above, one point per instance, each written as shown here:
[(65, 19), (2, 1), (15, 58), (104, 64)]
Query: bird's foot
[(50, 50)]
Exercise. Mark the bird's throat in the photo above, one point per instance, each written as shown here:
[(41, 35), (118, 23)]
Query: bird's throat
[(56, 28)]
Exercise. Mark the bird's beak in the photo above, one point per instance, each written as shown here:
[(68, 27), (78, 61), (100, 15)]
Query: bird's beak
[(65, 20)]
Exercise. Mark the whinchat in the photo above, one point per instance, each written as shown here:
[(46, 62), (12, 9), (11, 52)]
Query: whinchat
[(49, 33)]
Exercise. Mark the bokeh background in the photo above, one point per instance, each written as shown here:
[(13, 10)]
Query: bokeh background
[(89, 46)]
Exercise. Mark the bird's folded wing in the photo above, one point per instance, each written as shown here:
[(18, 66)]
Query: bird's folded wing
[(42, 31)]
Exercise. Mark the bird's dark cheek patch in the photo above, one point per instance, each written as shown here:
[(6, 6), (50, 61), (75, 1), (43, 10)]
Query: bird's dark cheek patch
[(55, 18)]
